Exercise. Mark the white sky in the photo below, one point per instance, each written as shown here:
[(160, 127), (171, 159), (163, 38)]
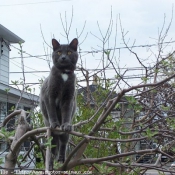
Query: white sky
[(141, 18)]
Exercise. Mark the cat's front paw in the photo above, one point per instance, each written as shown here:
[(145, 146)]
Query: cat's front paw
[(66, 127)]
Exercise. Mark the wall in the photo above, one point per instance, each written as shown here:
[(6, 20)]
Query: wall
[(4, 62)]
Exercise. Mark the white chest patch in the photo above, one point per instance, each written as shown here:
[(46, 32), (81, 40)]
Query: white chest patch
[(64, 77)]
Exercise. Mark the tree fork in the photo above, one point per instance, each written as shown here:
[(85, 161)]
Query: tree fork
[(11, 157)]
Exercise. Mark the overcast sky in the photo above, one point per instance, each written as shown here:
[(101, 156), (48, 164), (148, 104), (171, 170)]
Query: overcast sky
[(143, 19)]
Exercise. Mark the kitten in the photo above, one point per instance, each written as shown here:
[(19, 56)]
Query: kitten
[(58, 96)]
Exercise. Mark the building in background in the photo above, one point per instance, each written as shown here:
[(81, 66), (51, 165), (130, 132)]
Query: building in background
[(9, 96)]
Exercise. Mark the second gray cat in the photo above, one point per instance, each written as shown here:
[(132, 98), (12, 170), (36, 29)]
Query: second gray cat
[(58, 96)]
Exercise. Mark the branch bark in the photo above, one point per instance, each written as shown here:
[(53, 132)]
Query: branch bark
[(11, 157), (111, 104), (48, 152)]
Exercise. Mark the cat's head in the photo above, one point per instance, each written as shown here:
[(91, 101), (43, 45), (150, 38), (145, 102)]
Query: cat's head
[(65, 56)]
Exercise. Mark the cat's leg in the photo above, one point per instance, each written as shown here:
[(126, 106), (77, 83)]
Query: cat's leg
[(55, 140), (63, 141), (52, 114), (45, 115), (67, 112), (55, 144)]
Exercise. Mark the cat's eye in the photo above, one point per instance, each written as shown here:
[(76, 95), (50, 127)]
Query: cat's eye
[(69, 52), (59, 53)]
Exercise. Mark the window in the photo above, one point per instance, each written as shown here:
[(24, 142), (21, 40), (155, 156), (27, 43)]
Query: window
[(3, 111)]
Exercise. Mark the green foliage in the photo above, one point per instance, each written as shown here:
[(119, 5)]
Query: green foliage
[(38, 157), (37, 120), (20, 159), (131, 100), (7, 90), (136, 171), (167, 65), (156, 70), (133, 104), (107, 52), (48, 142), (28, 89), (145, 79), (165, 62), (150, 133), (103, 169), (117, 76), (6, 133), (12, 109), (1, 161), (85, 111), (15, 82), (165, 108), (171, 123)]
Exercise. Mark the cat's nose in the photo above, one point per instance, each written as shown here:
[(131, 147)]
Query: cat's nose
[(63, 58)]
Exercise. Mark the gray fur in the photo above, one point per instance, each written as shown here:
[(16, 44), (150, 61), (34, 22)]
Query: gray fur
[(58, 95)]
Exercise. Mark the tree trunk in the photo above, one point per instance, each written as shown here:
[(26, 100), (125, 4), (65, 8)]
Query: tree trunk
[(11, 157)]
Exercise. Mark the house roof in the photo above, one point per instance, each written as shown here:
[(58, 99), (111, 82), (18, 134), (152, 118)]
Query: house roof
[(9, 36), (16, 93)]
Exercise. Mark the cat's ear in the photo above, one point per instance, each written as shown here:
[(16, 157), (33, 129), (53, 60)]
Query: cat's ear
[(55, 44), (74, 43)]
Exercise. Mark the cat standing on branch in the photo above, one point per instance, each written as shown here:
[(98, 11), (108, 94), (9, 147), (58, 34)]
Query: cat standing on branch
[(58, 96)]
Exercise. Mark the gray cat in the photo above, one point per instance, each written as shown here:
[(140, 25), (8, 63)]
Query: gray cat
[(58, 96)]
